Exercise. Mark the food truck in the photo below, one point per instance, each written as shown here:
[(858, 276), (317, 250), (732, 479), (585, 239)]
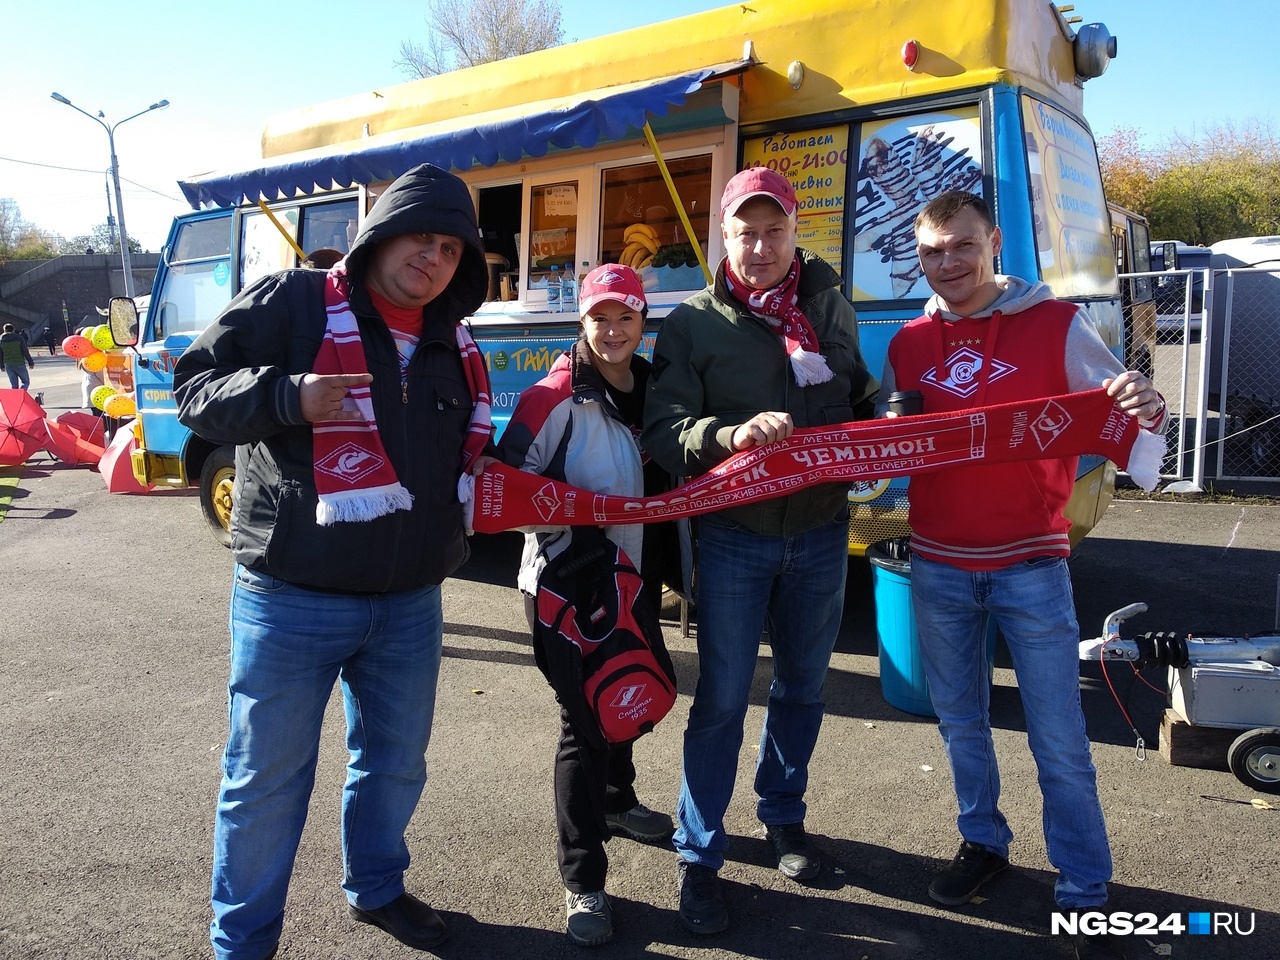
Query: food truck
[(618, 148)]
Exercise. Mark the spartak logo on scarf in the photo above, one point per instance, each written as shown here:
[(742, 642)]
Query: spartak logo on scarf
[(354, 479), (777, 306)]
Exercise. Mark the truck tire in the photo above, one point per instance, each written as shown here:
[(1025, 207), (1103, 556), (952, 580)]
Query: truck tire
[(217, 477)]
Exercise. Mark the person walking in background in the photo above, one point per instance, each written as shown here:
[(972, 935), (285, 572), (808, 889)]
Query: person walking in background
[(50, 341), (770, 346), (991, 541), (15, 358), (357, 398), (579, 425)]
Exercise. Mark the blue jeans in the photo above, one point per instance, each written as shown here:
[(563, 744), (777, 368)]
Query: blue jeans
[(288, 647), (18, 376), (795, 585), (1034, 608)]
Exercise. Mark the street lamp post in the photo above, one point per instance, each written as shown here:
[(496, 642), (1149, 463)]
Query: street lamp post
[(115, 177)]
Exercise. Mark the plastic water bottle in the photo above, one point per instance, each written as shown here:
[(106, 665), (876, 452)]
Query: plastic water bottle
[(569, 291), (553, 290)]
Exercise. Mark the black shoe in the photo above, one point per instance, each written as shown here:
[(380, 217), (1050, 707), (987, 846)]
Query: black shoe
[(407, 919), (1098, 946), (797, 858), (960, 881), (701, 900)]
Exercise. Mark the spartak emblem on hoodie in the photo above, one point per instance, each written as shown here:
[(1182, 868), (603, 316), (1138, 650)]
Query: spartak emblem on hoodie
[(963, 373)]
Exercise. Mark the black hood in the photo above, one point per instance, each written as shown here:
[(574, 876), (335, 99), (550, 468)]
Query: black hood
[(428, 199)]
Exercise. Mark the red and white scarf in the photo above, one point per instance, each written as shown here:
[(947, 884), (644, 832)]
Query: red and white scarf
[(354, 479), (1044, 428), (777, 306)]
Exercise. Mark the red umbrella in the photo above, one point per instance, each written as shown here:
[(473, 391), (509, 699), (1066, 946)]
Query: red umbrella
[(116, 464), (87, 426), (69, 446), (22, 430)]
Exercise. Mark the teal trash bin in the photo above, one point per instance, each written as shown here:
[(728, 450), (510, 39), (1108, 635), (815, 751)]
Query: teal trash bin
[(902, 679)]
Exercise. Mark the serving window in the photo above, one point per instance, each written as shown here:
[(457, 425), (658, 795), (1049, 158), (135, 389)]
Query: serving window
[(553, 230), (640, 227)]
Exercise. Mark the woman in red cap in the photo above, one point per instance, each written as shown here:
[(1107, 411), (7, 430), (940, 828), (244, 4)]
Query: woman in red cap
[(579, 424)]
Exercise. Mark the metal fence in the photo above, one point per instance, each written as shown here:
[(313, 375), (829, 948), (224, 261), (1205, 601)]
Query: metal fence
[(1216, 360)]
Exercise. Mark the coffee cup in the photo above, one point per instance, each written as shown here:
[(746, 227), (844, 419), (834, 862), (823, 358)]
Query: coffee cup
[(906, 403)]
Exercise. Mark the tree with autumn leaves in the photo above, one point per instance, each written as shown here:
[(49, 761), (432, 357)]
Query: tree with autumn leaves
[(1224, 183)]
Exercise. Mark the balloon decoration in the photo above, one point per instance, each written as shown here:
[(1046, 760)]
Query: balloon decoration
[(77, 347), (101, 395), (119, 406), (101, 337), (95, 361)]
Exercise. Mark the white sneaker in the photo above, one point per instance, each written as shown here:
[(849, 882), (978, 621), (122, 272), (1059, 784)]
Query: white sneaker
[(590, 918)]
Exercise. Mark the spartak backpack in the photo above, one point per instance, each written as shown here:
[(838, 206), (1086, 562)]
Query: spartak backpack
[(599, 643)]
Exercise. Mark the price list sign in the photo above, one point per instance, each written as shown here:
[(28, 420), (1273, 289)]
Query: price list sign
[(815, 161)]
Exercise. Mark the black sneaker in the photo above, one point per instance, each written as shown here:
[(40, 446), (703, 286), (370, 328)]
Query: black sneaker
[(702, 907), (796, 856), (960, 881), (1098, 946)]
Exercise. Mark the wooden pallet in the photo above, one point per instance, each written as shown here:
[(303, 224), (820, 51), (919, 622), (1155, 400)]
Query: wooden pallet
[(1187, 745)]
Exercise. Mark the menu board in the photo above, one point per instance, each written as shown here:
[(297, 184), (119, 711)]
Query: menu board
[(906, 162), (816, 162), (1072, 224)]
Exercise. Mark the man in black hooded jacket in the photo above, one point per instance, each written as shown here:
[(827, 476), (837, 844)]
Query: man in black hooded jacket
[(355, 601)]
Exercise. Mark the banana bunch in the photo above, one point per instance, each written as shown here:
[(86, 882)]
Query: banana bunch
[(641, 243)]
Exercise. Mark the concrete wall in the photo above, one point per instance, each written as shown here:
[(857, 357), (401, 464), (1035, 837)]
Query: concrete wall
[(32, 292)]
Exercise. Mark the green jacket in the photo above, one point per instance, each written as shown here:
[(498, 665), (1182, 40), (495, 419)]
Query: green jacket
[(716, 365), (14, 352)]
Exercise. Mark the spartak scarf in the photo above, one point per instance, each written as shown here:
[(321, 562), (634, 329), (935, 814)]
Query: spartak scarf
[(1046, 428), (777, 307), (354, 479)]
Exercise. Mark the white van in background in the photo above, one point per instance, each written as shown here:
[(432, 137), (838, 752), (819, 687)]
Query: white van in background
[(1247, 252), (1171, 291)]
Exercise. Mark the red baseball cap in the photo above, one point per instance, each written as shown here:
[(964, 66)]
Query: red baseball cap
[(757, 182), (612, 281)]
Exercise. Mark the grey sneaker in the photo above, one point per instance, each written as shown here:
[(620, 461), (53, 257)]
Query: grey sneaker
[(797, 858), (589, 918), (641, 823)]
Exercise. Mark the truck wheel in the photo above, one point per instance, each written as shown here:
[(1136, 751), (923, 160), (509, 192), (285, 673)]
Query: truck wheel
[(1254, 758), (217, 477)]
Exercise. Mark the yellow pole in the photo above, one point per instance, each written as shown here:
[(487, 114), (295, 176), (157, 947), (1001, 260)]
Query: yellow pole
[(262, 205), (675, 197)]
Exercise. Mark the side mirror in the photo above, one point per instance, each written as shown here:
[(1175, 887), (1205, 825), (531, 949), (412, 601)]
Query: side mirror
[(1171, 256), (122, 318)]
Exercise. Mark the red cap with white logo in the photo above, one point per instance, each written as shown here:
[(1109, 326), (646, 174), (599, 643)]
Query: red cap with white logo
[(757, 182), (612, 281)]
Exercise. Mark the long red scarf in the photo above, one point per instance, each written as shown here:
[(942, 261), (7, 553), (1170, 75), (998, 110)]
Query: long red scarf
[(354, 479), (1044, 428), (778, 307)]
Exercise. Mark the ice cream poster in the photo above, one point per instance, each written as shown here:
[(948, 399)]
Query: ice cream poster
[(1072, 224), (903, 164)]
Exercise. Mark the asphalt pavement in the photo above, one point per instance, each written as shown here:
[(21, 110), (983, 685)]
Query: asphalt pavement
[(113, 641)]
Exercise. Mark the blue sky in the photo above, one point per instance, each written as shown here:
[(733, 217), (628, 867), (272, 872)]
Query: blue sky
[(1182, 65)]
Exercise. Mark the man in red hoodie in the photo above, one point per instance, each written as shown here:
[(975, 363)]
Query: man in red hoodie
[(991, 541)]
